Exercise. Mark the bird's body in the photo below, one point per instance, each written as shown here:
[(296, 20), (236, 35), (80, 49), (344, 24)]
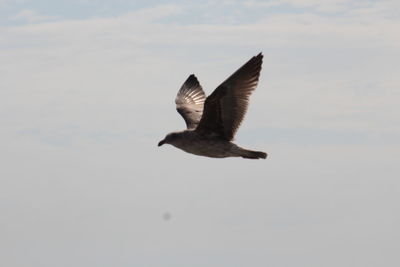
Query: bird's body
[(210, 132), (211, 146)]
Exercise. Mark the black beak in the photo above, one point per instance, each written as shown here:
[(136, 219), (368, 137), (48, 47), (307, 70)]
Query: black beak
[(161, 143)]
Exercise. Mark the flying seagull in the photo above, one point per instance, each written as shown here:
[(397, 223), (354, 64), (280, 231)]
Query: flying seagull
[(213, 121)]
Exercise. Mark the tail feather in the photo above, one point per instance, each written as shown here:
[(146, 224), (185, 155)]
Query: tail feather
[(249, 154)]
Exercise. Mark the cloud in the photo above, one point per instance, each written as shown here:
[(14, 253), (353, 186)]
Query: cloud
[(8, 2), (329, 60), (344, 7), (325, 4), (153, 13), (31, 16)]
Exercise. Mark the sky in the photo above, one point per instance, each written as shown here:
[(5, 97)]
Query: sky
[(87, 90)]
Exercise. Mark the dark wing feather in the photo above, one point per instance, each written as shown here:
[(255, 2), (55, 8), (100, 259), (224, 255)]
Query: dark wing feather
[(226, 107), (190, 101)]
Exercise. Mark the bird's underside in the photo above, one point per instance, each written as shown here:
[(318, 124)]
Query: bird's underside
[(192, 142), (213, 121)]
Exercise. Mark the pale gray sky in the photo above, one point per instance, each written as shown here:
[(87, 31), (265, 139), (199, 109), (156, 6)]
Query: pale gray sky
[(87, 90)]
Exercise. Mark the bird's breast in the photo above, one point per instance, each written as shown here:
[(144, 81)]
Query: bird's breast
[(209, 147)]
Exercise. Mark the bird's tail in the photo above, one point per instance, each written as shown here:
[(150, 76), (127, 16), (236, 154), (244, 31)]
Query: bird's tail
[(249, 154)]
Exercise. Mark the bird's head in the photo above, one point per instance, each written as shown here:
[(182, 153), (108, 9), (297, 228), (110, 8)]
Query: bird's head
[(169, 139)]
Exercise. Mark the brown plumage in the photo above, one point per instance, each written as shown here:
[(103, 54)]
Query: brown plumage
[(210, 132)]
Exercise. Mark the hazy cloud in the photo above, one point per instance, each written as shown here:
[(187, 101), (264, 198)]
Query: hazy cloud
[(31, 16)]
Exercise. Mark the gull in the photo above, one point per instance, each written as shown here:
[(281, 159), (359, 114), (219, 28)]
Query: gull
[(212, 122)]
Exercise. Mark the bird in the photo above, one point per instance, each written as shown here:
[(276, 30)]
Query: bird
[(213, 121)]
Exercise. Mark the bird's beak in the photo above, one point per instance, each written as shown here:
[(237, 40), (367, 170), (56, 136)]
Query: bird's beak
[(161, 143)]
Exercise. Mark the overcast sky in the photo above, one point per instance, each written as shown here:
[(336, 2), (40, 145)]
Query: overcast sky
[(87, 90)]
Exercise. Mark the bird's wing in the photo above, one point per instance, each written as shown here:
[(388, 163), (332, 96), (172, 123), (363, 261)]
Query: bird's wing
[(226, 107), (190, 101)]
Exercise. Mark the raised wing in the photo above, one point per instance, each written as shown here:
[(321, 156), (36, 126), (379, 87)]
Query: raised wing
[(226, 107), (190, 101)]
